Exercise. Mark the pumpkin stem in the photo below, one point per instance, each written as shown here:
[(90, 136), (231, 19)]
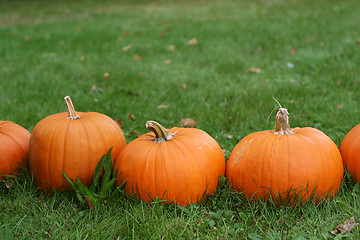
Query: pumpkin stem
[(161, 134), (71, 110), (282, 126)]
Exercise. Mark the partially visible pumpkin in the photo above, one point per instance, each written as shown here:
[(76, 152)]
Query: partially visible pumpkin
[(14, 147), (350, 151), (179, 165), (72, 142), (286, 163)]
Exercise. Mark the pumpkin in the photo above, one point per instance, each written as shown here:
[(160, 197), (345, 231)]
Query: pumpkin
[(286, 164), (14, 147), (178, 165), (72, 142), (350, 151)]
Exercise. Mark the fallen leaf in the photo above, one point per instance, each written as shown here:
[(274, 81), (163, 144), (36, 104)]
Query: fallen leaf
[(358, 41), (94, 88), (172, 48), (345, 227), (184, 86), (162, 34), (131, 116), (106, 75), (78, 27), (62, 43), (126, 48), (89, 202), (134, 133), (340, 105), (188, 122), (95, 100), (161, 106), (293, 50), (169, 61), (126, 34), (119, 122), (137, 56), (192, 42), (82, 58), (27, 39), (254, 70)]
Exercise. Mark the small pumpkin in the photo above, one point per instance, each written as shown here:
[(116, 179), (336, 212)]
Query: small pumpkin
[(286, 164), (14, 147), (178, 165), (350, 151), (72, 142)]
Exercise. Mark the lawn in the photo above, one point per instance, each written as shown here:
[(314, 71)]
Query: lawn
[(217, 62)]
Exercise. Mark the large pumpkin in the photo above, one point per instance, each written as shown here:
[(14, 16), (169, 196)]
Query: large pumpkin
[(350, 151), (179, 165), (286, 163), (14, 147), (72, 142)]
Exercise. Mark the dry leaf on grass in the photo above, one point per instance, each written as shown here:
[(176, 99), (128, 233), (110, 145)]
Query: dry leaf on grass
[(192, 42), (89, 202), (167, 62), (119, 122), (106, 75), (172, 48), (131, 116), (254, 70), (293, 50), (184, 86), (345, 227), (188, 122), (161, 106), (137, 56), (126, 48), (134, 133)]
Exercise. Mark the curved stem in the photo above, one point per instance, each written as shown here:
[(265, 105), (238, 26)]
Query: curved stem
[(161, 134), (282, 126), (71, 110)]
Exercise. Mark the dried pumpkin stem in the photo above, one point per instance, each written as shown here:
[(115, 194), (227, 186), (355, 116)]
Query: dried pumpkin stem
[(71, 110), (282, 126), (161, 134)]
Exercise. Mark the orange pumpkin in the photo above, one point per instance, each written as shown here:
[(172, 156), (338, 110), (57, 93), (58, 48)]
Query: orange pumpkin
[(72, 142), (350, 151), (14, 147), (179, 165), (286, 163)]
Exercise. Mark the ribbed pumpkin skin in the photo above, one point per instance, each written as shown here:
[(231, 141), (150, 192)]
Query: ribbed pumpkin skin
[(263, 160), (14, 147), (75, 146), (180, 170), (350, 151)]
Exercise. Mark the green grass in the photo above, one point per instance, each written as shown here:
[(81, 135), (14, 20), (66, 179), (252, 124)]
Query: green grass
[(50, 50)]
